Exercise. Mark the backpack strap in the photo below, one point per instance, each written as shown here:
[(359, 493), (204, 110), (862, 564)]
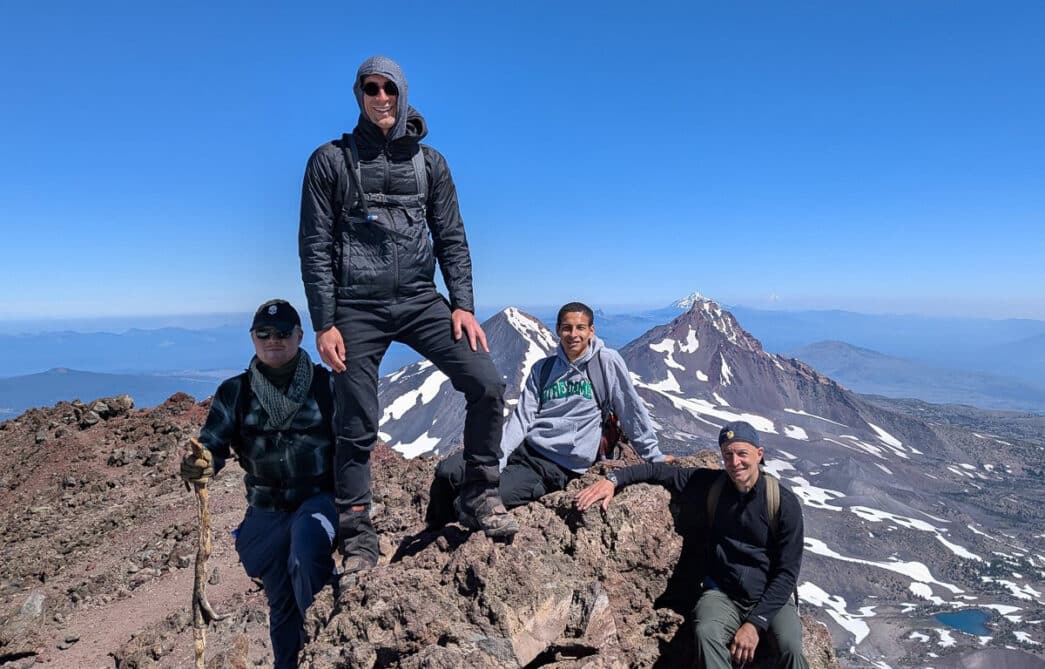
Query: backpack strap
[(598, 384), (772, 504), (352, 185), (241, 407), (421, 176), (544, 372)]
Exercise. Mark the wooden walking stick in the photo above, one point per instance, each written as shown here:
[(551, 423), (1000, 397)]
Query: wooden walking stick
[(202, 612)]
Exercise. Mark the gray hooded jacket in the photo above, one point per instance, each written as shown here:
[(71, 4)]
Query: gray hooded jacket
[(567, 426), (347, 259)]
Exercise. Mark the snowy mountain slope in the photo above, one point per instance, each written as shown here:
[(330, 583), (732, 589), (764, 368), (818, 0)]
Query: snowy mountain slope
[(421, 411)]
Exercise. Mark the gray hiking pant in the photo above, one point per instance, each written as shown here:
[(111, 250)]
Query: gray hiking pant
[(717, 618)]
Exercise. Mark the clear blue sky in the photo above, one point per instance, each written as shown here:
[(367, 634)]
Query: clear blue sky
[(876, 156)]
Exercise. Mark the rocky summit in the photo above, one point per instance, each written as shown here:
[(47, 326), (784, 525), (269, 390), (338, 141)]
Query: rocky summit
[(99, 537)]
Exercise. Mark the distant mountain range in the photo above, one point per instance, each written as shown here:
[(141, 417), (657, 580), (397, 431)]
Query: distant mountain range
[(867, 371), (48, 388), (1004, 361)]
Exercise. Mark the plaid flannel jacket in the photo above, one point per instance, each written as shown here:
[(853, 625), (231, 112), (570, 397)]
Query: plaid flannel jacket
[(283, 468)]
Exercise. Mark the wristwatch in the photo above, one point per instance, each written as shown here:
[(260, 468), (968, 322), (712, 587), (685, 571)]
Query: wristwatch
[(612, 478)]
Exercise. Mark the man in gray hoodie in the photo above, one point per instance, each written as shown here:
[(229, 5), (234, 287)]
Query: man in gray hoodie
[(553, 435)]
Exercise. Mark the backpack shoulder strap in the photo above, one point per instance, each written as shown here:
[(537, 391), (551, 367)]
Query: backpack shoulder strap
[(598, 384), (421, 176), (544, 372), (714, 492), (772, 503), (243, 395), (352, 186)]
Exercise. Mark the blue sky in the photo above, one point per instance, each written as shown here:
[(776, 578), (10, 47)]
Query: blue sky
[(873, 156)]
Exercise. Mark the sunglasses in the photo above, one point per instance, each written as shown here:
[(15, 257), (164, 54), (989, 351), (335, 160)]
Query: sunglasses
[(265, 333), (371, 88)]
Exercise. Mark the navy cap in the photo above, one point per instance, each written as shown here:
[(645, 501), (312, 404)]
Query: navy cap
[(737, 431), (277, 314)]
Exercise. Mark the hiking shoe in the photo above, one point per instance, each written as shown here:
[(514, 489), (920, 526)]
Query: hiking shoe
[(487, 513), (353, 564)]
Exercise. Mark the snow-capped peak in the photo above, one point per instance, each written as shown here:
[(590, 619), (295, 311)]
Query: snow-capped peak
[(688, 301), (530, 328)]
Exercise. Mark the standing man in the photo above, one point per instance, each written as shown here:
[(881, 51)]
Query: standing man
[(754, 549), (277, 417), (554, 434), (378, 209)]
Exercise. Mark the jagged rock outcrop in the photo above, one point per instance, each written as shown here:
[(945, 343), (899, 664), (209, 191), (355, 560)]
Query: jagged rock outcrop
[(573, 589)]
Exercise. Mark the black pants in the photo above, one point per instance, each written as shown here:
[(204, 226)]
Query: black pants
[(424, 325), (527, 476)]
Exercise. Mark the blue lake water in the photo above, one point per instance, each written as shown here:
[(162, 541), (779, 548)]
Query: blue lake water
[(970, 621)]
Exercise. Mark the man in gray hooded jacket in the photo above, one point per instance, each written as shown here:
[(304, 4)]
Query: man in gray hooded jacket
[(378, 209), (553, 435)]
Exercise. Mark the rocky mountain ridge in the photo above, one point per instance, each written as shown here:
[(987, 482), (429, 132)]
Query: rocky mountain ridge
[(99, 538)]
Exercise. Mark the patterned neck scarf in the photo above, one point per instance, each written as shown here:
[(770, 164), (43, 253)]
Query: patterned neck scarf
[(282, 406)]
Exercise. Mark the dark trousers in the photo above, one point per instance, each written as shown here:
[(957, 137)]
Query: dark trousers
[(527, 476), (290, 551), (717, 619), (424, 325)]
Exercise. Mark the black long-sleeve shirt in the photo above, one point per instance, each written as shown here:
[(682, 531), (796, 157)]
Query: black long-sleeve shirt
[(744, 562)]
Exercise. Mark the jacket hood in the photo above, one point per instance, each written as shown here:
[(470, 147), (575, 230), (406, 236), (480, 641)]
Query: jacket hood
[(593, 347), (386, 67)]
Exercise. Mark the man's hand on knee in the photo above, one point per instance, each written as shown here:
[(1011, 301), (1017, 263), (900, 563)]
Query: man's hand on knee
[(331, 347), (464, 322), (744, 643)]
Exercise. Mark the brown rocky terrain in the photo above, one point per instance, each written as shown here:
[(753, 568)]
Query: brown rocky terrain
[(99, 538)]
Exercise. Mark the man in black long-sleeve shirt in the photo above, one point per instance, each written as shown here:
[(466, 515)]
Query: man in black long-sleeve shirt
[(753, 559)]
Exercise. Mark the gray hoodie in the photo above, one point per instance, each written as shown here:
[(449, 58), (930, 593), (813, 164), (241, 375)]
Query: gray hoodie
[(567, 426)]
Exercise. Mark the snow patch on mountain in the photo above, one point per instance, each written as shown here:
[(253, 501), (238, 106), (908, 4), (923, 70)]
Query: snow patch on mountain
[(799, 412), (701, 376), (835, 606), (1018, 591), (668, 385), (925, 592), (667, 347), (691, 344), (795, 432), (423, 395), (419, 446), (876, 516), (699, 408), (885, 436), (814, 496), (727, 374), (912, 569)]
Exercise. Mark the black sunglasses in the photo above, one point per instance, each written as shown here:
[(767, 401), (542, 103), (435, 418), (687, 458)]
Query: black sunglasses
[(265, 333), (371, 88)]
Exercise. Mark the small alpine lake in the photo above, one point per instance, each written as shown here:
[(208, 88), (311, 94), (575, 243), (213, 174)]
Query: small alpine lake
[(970, 621)]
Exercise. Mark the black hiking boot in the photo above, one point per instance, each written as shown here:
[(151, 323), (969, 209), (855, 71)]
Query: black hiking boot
[(485, 511), (358, 540)]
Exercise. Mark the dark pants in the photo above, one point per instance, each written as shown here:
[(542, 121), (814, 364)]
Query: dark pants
[(290, 552), (717, 619), (527, 476), (424, 325)]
